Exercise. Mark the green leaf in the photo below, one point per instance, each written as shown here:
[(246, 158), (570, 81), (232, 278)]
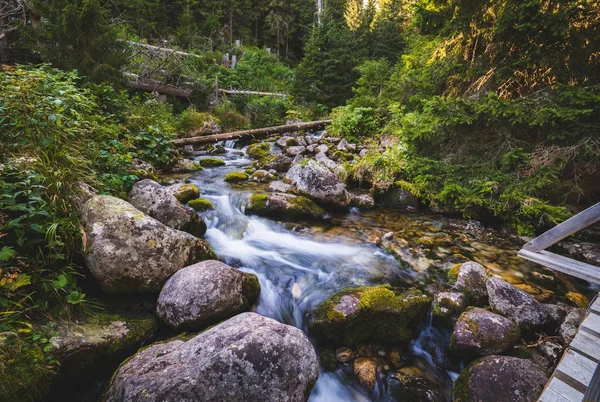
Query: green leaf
[(7, 254)]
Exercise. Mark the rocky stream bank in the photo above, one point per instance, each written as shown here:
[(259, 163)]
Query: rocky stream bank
[(258, 273)]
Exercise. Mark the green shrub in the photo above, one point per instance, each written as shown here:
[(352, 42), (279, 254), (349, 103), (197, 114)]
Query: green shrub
[(191, 120), (354, 122), (234, 121)]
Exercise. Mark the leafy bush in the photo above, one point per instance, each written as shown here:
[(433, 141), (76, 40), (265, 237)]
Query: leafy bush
[(266, 111), (354, 122), (56, 134), (232, 121), (191, 120)]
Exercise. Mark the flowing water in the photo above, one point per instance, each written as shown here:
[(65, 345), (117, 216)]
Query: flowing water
[(300, 265)]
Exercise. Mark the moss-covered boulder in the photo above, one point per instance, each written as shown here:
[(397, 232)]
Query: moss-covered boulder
[(262, 176), (236, 177), (279, 163), (517, 305), (284, 207), (211, 162), (404, 386), (499, 379), (184, 192), (447, 306), (181, 165), (259, 150), (79, 345), (377, 313), (205, 293), (480, 332), (129, 252), (201, 204), (471, 280), (157, 201)]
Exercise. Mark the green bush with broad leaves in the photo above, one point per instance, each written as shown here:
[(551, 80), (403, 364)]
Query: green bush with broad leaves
[(55, 134)]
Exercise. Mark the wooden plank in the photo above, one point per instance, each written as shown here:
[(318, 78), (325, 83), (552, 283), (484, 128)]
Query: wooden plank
[(563, 264), (566, 392), (587, 343), (595, 306), (549, 395), (577, 366), (565, 229), (259, 132), (592, 322), (593, 391)]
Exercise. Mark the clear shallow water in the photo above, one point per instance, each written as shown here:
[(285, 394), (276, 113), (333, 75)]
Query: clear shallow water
[(300, 265)]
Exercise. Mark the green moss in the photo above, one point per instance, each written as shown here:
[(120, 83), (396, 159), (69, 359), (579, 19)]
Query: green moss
[(145, 174), (425, 241), (211, 162), (249, 171), (201, 204), (328, 359), (258, 203), (258, 151), (24, 373), (384, 315), (460, 393), (236, 177), (250, 289), (453, 273), (187, 192)]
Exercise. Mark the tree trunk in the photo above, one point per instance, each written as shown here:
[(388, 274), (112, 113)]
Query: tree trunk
[(256, 133), (150, 85)]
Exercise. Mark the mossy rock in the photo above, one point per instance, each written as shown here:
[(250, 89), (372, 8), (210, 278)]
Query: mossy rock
[(211, 162), (25, 375), (378, 314), (184, 192), (201, 204), (258, 151), (453, 273), (328, 359), (236, 177), (284, 207), (77, 346)]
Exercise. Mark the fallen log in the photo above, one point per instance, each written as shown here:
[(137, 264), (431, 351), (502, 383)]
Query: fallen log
[(163, 50), (151, 85), (259, 132), (241, 92)]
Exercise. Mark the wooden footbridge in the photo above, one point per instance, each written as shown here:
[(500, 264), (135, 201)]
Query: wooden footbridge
[(577, 376)]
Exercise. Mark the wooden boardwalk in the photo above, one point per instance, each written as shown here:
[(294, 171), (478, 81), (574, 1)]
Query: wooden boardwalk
[(577, 376), (574, 378)]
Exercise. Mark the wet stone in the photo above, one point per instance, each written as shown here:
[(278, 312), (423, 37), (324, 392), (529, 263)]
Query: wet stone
[(348, 305), (344, 355)]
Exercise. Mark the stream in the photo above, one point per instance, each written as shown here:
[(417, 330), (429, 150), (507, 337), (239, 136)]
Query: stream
[(299, 265)]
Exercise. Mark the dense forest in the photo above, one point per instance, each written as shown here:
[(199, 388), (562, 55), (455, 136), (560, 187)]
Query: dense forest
[(486, 110)]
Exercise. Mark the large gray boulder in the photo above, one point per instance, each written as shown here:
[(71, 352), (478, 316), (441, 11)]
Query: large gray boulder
[(129, 252), (517, 305), (205, 293), (471, 280), (568, 328), (316, 181), (246, 358), (500, 379), (284, 207), (479, 332), (160, 203)]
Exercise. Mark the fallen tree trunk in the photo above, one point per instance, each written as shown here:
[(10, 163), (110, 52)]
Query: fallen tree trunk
[(240, 92), (150, 85), (259, 132), (163, 50)]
